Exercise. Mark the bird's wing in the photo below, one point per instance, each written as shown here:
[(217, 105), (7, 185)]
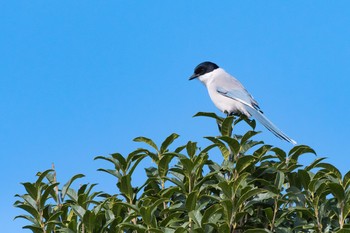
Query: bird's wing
[(254, 110), (241, 95)]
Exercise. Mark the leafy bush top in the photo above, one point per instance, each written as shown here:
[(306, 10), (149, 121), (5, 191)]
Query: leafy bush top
[(257, 188)]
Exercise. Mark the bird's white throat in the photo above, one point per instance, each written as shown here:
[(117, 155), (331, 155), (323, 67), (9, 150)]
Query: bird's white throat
[(209, 77)]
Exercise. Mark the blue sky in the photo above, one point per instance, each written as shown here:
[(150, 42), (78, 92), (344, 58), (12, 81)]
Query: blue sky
[(80, 79)]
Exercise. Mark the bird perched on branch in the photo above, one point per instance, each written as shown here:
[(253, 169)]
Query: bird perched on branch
[(230, 97)]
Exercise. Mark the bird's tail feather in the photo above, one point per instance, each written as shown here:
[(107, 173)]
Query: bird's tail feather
[(269, 125)]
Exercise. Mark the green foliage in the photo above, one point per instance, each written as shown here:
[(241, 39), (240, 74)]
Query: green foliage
[(257, 188)]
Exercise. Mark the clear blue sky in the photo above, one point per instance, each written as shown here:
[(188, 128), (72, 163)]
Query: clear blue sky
[(83, 78)]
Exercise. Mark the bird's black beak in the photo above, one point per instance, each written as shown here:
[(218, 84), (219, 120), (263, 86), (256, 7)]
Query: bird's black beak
[(193, 76)]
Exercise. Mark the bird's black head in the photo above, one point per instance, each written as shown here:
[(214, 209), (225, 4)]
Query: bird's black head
[(203, 68)]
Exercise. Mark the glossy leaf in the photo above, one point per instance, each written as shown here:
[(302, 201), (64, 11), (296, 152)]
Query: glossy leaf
[(170, 139), (225, 152), (243, 162), (147, 141), (338, 191), (346, 180), (248, 195), (330, 168), (125, 187), (163, 164), (296, 151), (68, 184), (258, 231), (279, 181), (226, 126), (191, 201), (209, 114)]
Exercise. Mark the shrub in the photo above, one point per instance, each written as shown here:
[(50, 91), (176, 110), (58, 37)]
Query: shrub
[(257, 188)]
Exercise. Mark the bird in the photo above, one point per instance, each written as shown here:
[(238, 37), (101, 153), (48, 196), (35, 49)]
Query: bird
[(230, 96)]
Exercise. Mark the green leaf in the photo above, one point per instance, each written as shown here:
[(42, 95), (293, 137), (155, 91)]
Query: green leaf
[(31, 210), (259, 153), (248, 145), (225, 152), (249, 194), (224, 228), (31, 190), (316, 183), (112, 172), (343, 231), (42, 175), (145, 212), (170, 219), (258, 231), (125, 186), (314, 164), (212, 214), (46, 193), (191, 201), (279, 181), (80, 211), (238, 183), (296, 151), (170, 139), (68, 184), (330, 168), (130, 206), (129, 226), (280, 153), (177, 182), (65, 230), (243, 162), (136, 155), (72, 194), (27, 217), (228, 208), (242, 117), (337, 191), (209, 114), (304, 178), (179, 149), (117, 159), (155, 230), (156, 203), (121, 161), (54, 216), (147, 141), (208, 148), (180, 230), (269, 213), (34, 229), (248, 135), (346, 180), (163, 164), (191, 148), (138, 160), (226, 189), (187, 166), (232, 143), (226, 126), (196, 216)]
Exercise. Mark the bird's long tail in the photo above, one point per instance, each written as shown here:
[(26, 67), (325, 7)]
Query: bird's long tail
[(268, 124)]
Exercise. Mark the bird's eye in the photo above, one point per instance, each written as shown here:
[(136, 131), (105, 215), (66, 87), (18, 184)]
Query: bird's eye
[(199, 70)]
